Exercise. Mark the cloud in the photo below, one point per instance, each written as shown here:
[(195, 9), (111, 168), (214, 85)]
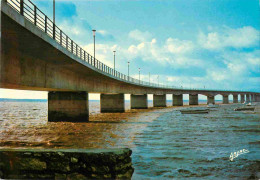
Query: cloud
[(177, 46), (147, 51), (173, 51), (241, 63), (103, 35), (244, 37), (104, 52), (226, 69), (140, 36)]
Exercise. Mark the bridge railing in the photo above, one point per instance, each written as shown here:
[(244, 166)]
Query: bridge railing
[(32, 13)]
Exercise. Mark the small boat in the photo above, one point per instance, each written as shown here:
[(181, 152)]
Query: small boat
[(195, 111), (245, 109), (249, 104)]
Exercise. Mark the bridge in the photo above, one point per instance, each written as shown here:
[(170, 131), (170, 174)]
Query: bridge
[(38, 55)]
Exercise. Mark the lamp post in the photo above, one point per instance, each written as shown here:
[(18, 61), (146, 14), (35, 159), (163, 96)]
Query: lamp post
[(53, 19), (94, 36), (139, 75), (114, 62), (128, 69)]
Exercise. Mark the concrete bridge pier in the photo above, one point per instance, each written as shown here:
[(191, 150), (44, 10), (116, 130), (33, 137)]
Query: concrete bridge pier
[(257, 98), (112, 103), (251, 97), (159, 100), (177, 100), (247, 98), (193, 99), (139, 101), (254, 98), (242, 98), (225, 99), (235, 98), (68, 106), (210, 99)]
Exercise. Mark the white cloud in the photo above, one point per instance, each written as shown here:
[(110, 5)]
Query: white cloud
[(244, 37), (173, 51), (177, 46), (103, 32), (181, 54), (104, 53), (242, 62), (140, 36), (218, 75)]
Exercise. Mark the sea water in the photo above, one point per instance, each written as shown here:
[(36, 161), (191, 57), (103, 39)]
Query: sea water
[(166, 144)]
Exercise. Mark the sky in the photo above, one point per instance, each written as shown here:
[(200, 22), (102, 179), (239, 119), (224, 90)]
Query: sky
[(212, 44)]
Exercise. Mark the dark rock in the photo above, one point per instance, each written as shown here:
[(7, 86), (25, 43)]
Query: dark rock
[(76, 176), (122, 166), (65, 164), (60, 176), (127, 175), (1, 174), (59, 166), (31, 164), (39, 176), (37, 154), (74, 160), (98, 169)]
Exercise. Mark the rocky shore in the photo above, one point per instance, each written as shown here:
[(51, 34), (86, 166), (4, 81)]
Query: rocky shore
[(66, 164)]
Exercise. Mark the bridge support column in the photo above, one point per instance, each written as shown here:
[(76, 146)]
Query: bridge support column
[(68, 106), (257, 98), (177, 100), (242, 98), (112, 103), (225, 99), (252, 97), (193, 99), (159, 100), (210, 99), (247, 98), (139, 101), (235, 98)]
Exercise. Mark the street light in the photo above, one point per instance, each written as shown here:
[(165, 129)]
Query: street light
[(128, 69), (158, 80), (139, 75), (94, 36), (114, 62)]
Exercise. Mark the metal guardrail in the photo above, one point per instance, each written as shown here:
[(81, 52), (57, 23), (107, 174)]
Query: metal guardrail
[(32, 13)]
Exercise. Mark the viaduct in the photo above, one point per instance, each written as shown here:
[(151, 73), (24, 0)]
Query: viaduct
[(37, 55)]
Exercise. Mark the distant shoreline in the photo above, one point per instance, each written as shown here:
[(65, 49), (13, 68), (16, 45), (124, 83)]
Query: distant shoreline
[(46, 100), (22, 100)]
